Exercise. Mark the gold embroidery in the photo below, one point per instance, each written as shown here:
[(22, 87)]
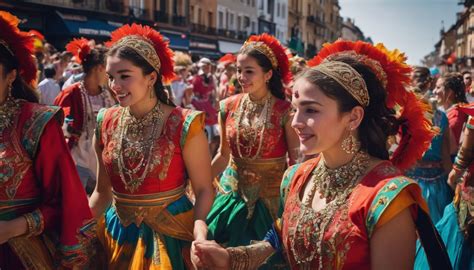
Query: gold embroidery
[(348, 78)]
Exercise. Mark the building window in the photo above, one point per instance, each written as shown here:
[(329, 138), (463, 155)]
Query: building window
[(278, 9), (239, 22), (262, 7), (209, 18), (283, 11), (253, 3), (231, 24), (253, 28), (221, 19), (199, 20), (191, 13), (246, 22)]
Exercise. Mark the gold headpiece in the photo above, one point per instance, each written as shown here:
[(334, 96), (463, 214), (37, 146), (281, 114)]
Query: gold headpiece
[(262, 48), (348, 78), (374, 65), (143, 47)]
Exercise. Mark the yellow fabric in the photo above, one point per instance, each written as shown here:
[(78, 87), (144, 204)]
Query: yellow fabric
[(196, 126), (406, 198), (130, 256)]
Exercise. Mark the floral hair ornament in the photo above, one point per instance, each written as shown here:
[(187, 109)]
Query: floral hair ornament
[(80, 48), (394, 75), (227, 59), (269, 46), (20, 45), (149, 44)]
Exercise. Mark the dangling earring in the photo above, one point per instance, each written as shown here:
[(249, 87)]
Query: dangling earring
[(350, 144), (152, 94), (10, 89)]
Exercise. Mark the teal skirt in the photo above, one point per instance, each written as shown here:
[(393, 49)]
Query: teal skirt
[(434, 189), (460, 251)]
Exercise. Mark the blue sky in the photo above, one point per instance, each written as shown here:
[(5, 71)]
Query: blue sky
[(410, 25)]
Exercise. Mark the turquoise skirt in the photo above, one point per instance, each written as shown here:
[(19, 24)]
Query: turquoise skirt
[(434, 189)]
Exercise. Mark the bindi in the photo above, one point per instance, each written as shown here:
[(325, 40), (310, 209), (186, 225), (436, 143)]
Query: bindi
[(297, 95)]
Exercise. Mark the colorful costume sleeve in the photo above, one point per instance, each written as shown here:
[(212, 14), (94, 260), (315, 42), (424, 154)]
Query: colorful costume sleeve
[(64, 207), (394, 197), (193, 124), (100, 120)]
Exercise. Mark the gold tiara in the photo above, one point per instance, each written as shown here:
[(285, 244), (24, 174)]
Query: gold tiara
[(263, 49), (348, 78), (143, 47)]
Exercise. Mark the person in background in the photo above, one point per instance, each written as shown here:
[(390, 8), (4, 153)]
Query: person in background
[(431, 172), (450, 95), (182, 90), (467, 77), (81, 103), (48, 88)]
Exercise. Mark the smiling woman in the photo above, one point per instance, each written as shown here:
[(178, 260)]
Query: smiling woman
[(147, 148), (350, 208)]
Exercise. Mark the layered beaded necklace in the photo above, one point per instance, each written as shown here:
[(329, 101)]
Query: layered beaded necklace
[(335, 185), (247, 111), (8, 110), (135, 145)]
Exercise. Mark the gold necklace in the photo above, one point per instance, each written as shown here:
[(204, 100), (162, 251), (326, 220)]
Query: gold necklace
[(8, 110), (135, 145), (248, 110), (347, 177)]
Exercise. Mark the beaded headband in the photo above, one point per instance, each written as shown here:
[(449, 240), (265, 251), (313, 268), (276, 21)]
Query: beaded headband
[(143, 47), (374, 65), (263, 49), (348, 78)]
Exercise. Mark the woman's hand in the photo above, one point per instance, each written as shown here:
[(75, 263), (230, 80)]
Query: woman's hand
[(209, 254), (12, 228), (453, 178)]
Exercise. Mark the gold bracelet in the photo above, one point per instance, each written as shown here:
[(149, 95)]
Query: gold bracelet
[(258, 253), (239, 258), (35, 223)]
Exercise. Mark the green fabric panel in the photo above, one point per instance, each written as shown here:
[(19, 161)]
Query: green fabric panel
[(383, 199)]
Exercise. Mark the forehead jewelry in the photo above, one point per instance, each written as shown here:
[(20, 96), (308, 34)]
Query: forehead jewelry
[(297, 95)]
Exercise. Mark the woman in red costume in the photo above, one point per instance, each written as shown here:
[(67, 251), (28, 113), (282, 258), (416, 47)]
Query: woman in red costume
[(81, 103), (350, 208), (450, 95), (256, 143), (147, 149), (42, 204)]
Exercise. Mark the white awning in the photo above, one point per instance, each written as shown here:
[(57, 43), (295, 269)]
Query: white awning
[(229, 47)]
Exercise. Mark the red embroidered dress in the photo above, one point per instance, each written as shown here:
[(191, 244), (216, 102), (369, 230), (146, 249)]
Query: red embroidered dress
[(346, 238), (250, 184), (38, 178), (149, 224)]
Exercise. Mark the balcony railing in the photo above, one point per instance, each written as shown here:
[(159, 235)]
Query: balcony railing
[(179, 20), (161, 16), (202, 29), (115, 6), (311, 19)]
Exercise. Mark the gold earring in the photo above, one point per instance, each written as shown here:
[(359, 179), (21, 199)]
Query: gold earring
[(152, 94), (350, 144), (10, 89)]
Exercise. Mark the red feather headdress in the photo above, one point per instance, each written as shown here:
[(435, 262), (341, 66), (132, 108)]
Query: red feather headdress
[(228, 58), (155, 39), (80, 48), (277, 55), (394, 74), (20, 45)]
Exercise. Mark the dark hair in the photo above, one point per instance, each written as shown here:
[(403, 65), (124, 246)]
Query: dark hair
[(129, 54), (379, 122), (20, 89), (422, 78), (275, 84), (454, 81), (466, 72), (94, 58), (49, 71)]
